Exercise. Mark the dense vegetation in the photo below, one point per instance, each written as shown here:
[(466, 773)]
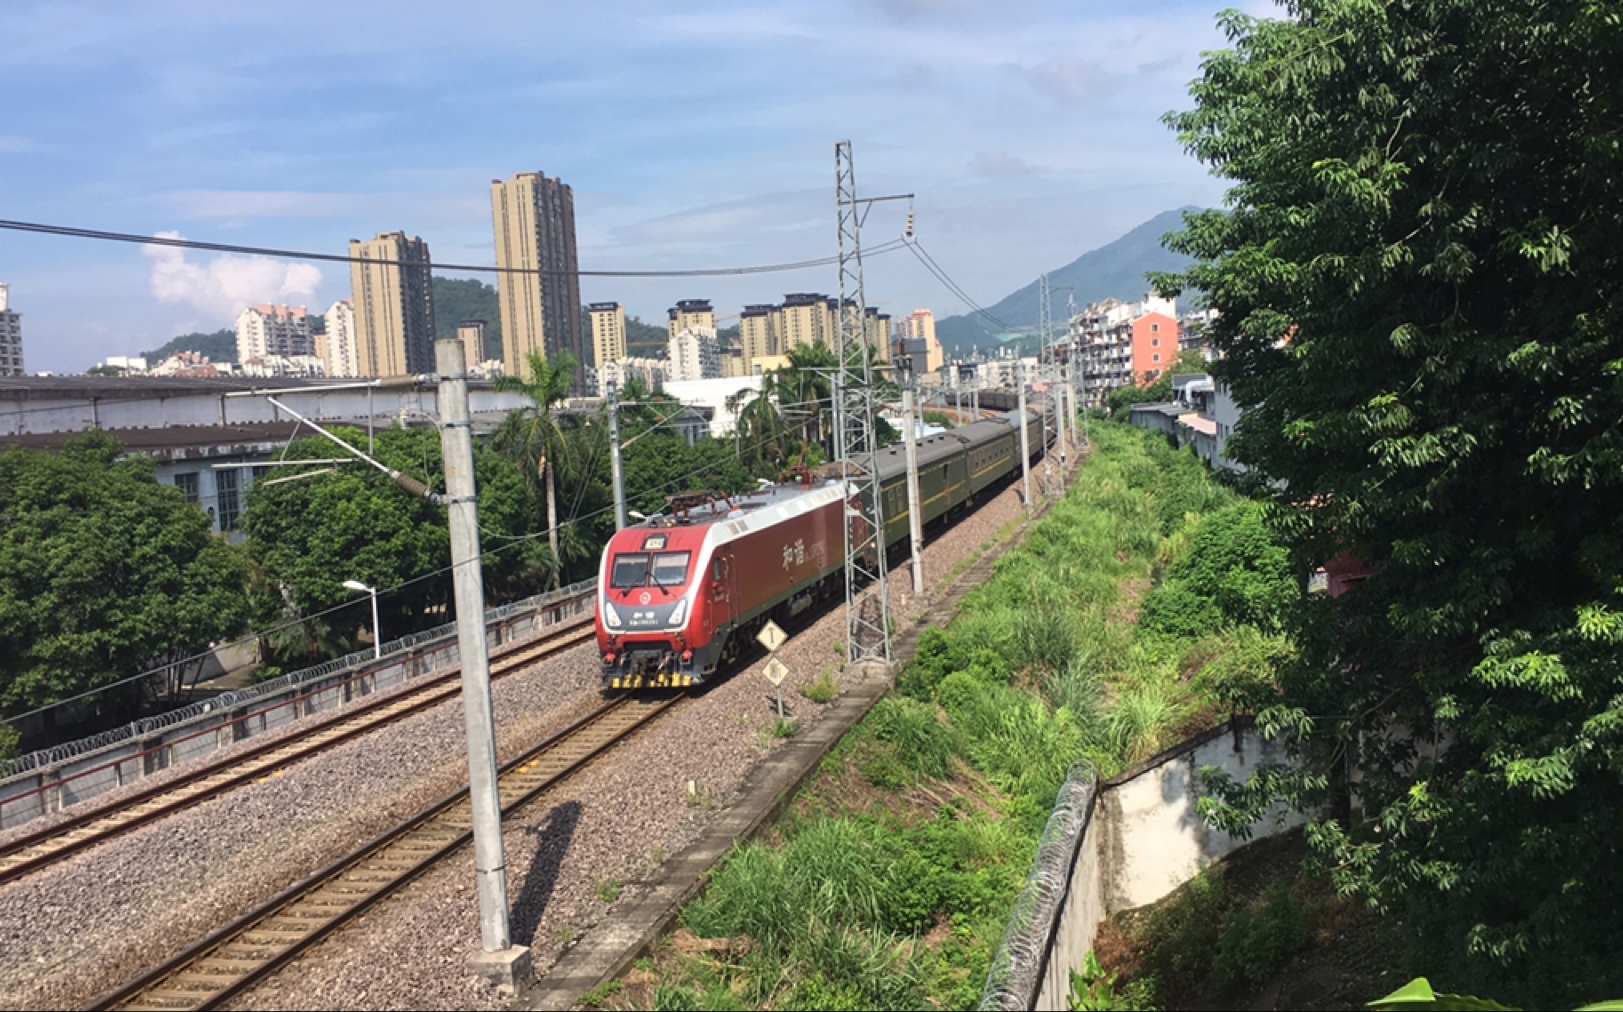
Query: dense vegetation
[(899, 865), (457, 300), (219, 346), (104, 572), (1419, 313)]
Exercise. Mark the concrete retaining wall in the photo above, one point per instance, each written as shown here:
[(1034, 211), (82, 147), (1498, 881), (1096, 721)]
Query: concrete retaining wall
[(1140, 838), (51, 787)]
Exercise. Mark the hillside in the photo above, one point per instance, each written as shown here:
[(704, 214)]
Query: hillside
[(1115, 270), (220, 346), (469, 299)]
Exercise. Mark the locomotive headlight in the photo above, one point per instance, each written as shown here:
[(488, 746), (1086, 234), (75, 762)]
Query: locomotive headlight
[(681, 612), (611, 616)]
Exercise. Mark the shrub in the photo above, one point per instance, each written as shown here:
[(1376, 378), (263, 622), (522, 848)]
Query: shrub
[(823, 689), (921, 742), (957, 692), (1176, 609), (10, 742), (1259, 941), (1187, 932)]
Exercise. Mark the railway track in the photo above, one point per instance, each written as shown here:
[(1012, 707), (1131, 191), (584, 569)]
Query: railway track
[(247, 950), (35, 851)]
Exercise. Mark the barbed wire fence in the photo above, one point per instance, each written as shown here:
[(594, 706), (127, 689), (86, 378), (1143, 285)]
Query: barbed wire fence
[(1021, 960)]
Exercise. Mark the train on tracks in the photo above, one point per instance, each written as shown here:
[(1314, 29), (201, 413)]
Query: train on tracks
[(685, 592)]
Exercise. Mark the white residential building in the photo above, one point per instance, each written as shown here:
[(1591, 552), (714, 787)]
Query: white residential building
[(337, 346), (694, 355), (652, 371), (301, 366), (128, 363), (11, 336), (274, 331)]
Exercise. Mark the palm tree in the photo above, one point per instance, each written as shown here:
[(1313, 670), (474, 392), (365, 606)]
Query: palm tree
[(806, 387), (534, 435), (763, 436)]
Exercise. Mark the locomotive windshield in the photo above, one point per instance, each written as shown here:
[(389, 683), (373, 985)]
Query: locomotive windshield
[(671, 569), (633, 569)]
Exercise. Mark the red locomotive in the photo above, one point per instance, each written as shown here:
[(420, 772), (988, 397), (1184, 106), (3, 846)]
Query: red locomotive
[(679, 594)]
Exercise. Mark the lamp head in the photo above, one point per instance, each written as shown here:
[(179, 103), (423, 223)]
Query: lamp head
[(357, 585)]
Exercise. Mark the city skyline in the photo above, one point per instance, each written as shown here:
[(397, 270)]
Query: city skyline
[(1030, 133)]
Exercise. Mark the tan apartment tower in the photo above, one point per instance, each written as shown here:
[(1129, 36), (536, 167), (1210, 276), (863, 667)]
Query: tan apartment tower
[(758, 333), (394, 305), (539, 284), (693, 315), (608, 332)]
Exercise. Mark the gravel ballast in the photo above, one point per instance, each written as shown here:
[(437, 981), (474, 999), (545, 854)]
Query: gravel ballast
[(77, 930)]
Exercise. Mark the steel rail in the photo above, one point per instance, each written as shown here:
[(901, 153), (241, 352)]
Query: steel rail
[(250, 948), (45, 847)]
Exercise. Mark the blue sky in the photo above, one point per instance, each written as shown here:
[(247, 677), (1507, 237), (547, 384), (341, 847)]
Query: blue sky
[(695, 134)]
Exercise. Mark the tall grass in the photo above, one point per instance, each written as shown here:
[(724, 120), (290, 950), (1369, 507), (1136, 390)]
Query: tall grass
[(1043, 666)]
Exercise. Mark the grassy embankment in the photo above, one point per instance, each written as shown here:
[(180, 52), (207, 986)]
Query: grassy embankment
[(889, 882)]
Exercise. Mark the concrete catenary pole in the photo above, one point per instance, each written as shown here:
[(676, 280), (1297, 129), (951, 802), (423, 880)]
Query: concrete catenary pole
[(500, 959), (1025, 448), (1058, 399), (616, 465), (915, 522)]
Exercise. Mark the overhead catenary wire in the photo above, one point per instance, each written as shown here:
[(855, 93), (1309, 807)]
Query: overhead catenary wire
[(72, 232), (951, 285)]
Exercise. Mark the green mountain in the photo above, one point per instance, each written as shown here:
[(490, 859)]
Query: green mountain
[(220, 346), (646, 340), (470, 299), (1115, 271)]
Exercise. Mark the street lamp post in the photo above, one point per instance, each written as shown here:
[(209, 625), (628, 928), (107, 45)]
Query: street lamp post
[(377, 632)]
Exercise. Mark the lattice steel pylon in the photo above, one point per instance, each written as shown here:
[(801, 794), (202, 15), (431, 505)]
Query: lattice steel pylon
[(867, 595)]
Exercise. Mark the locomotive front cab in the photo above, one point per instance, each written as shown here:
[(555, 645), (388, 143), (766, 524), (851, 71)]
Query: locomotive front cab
[(644, 609)]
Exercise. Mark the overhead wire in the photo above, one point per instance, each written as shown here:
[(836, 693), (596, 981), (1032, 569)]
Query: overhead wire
[(72, 232), (952, 286)]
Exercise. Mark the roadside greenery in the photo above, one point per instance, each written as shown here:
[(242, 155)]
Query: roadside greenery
[(104, 573), (898, 866), (1415, 278)]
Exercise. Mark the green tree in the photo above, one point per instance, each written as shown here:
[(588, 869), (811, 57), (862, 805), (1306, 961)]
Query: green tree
[(308, 536), (535, 436), (1416, 279), (104, 573), (762, 437)]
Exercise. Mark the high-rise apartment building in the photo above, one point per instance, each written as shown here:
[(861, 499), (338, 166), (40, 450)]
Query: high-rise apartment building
[(267, 331), (758, 334), (394, 305), (693, 315), (806, 318), (608, 332), (336, 345), (11, 336), (539, 285), (475, 338), (876, 331), (920, 326)]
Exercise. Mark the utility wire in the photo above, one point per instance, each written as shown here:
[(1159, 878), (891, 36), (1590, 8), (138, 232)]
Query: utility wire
[(951, 285), (69, 231)]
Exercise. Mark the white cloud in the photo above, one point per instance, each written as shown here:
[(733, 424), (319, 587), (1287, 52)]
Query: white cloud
[(229, 283)]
